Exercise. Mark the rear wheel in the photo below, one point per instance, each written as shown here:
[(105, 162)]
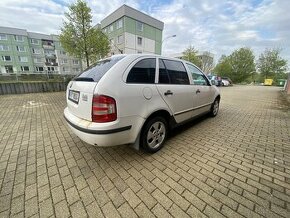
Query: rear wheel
[(154, 134), (214, 108)]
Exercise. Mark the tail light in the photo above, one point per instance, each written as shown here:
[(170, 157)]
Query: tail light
[(103, 109)]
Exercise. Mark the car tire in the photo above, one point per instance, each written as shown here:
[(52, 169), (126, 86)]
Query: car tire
[(154, 134), (214, 108)]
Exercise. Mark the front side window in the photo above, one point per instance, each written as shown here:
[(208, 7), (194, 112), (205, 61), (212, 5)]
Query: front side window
[(139, 26), (98, 70), (197, 76), (172, 72), (143, 72)]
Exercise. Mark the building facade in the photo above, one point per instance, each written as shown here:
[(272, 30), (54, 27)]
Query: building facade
[(28, 52), (131, 31)]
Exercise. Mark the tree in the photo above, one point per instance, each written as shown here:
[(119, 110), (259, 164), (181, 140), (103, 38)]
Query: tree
[(190, 54), (223, 68), (242, 64), (206, 62), (271, 65), (79, 38)]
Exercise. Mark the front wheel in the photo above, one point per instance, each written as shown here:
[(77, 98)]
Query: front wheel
[(154, 134), (214, 108)]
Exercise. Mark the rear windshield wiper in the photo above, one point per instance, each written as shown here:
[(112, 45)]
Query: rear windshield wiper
[(86, 79)]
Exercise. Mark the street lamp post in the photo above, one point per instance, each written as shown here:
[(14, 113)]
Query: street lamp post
[(168, 37)]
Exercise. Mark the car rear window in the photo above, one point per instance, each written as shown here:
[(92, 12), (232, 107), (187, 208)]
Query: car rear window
[(98, 70)]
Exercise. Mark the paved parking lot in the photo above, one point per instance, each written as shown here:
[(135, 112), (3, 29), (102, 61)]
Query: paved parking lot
[(234, 165)]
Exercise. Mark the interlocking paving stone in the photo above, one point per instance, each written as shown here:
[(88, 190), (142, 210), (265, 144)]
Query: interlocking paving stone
[(234, 165)]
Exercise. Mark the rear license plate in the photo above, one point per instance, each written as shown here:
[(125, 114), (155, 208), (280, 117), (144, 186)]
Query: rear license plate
[(74, 96)]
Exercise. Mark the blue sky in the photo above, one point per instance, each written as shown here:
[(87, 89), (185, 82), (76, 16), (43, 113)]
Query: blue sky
[(209, 25)]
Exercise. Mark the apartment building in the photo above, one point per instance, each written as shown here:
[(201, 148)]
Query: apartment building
[(131, 31), (28, 52)]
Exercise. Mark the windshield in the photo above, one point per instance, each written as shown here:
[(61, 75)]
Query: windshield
[(98, 70)]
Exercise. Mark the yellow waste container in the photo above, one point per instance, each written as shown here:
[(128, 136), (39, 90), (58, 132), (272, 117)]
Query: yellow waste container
[(268, 82)]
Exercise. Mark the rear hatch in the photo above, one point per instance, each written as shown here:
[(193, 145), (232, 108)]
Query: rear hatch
[(80, 90)]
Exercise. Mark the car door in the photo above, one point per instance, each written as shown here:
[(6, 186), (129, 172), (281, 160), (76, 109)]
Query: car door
[(175, 89), (202, 90)]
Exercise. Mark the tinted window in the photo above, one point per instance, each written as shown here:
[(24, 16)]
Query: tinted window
[(98, 70), (197, 76), (143, 72), (163, 75), (175, 71)]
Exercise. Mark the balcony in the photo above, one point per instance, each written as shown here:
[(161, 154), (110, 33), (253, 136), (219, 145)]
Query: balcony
[(46, 46), (51, 64)]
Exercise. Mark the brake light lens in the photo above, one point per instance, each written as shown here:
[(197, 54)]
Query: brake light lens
[(103, 109)]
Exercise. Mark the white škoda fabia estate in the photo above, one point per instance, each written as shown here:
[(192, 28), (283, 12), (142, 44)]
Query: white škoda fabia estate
[(137, 99)]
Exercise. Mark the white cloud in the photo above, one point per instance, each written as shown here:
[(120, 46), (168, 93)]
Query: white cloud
[(216, 26)]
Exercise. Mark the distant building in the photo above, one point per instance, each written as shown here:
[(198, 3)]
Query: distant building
[(131, 31), (207, 60), (29, 52)]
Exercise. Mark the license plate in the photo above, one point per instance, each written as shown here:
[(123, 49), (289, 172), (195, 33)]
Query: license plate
[(74, 96)]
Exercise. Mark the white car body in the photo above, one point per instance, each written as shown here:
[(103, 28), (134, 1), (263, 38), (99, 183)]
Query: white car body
[(136, 102), (225, 82)]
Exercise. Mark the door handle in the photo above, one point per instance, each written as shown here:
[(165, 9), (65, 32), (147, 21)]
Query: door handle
[(197, 91), (168, 92)]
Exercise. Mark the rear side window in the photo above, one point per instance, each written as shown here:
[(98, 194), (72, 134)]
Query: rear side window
[(172, 72), (98, 70), (143, 72)]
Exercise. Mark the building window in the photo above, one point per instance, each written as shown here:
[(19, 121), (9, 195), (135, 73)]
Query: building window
[(4, 48), (65, 69), (119, 24), (20, 48), (139, 52), (38, 60), (139, 40), (76, 62), (9, 69), (39, 69), (139, 26), (22, 59), (111, 28), (6, 58), (34, 41), (62, 52), (64, 61), (120, 39), (24, 68), (3, 37), (76, 70), (19, 38), (36, 50)]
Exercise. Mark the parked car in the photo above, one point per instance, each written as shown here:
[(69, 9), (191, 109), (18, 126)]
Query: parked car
[(137, 99), (227, 81), (215, 80)]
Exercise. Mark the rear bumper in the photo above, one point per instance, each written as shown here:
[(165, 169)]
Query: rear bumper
[(105, 134)]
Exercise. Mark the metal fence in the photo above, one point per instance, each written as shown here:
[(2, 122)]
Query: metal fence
[(33, 77)]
